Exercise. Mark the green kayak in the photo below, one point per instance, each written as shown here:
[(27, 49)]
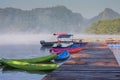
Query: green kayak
[(29, 66), (37, 60)]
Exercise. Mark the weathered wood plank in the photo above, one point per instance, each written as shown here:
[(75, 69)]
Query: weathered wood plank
[(82, 77), (85, 67), (88, 75)]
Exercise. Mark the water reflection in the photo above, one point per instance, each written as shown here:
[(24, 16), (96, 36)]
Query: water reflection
[(115, 48), (46, 49), (8, 69), (20, 75)]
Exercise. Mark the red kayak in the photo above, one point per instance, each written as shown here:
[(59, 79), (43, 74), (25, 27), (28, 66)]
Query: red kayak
[(70, 50), (75, 50)]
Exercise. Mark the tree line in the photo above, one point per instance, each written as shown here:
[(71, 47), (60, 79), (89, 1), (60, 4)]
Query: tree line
[(111, 26)]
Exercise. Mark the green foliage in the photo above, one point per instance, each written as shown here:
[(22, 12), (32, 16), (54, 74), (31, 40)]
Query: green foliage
[(105, 27)]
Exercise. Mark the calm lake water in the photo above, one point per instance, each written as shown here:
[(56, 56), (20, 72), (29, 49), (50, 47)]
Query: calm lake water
[(21, 51)]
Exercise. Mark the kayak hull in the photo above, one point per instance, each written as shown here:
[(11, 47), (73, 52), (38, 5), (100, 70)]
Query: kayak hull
[(29, 66), (70, 50), (37, 59), (63, 55)]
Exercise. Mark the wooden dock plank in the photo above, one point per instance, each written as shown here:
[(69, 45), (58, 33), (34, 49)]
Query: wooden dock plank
[(85, 67), (76, 75)]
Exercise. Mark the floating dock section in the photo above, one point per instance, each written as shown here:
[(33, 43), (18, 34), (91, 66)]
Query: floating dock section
[(95, 62)]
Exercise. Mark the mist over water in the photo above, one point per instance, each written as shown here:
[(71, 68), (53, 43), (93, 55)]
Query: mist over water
[(23, 38), (35, 38)]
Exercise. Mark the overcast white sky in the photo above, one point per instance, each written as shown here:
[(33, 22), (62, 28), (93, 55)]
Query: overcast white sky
[(88, 8)]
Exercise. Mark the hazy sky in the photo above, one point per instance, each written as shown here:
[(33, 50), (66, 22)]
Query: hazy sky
[(88, 8)]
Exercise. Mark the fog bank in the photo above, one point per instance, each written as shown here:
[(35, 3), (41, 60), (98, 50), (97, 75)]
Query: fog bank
[(35, 38)]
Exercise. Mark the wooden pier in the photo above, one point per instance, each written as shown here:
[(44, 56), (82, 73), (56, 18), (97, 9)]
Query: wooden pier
[(95, 62)]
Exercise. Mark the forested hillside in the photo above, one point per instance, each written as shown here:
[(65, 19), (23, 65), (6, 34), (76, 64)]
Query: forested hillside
[(111, 26)]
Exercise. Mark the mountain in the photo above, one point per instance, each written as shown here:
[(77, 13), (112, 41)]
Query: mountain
[(106, 14), (50, 20), (38, 20)]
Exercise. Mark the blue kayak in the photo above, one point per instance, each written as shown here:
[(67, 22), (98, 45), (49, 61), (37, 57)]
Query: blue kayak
[(75, 44), (63, 55)]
